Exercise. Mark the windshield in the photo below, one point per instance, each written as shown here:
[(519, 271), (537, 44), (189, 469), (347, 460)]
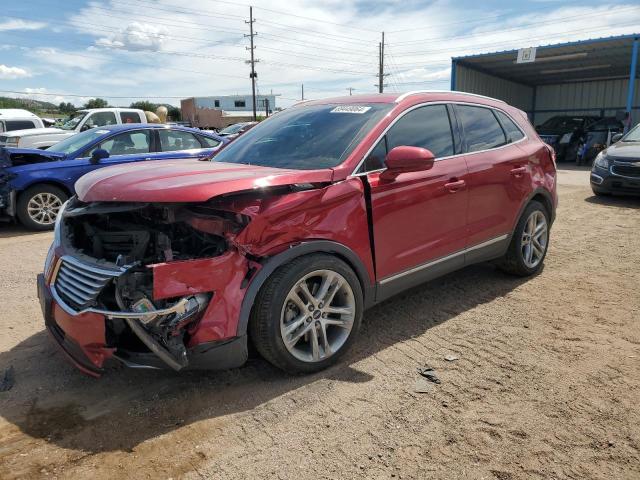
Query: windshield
[(633, 135), (306, 137), (72, 122), (562, 123), (231, 129), (77, 141)]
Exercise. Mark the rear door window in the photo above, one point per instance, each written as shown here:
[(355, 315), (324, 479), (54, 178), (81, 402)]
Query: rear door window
[(172, 140), (18, 125), (208, 142), (511, 129), (481, 128), (129, 117), (100, 119)]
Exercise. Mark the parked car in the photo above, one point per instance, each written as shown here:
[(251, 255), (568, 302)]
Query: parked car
[(565, 133), (78, 122), (292, 230), (616, 170), (598, 137), (12, 119), (35, 183), (237, 129)]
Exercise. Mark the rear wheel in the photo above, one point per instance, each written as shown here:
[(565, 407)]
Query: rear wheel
[(529, 242), (38, 206), (307, 314)]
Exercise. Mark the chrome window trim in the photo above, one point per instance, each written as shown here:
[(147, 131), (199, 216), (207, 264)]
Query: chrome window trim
[(437, 102), (431, 263)]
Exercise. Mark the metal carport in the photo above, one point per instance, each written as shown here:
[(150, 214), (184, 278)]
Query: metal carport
[(589, 77)]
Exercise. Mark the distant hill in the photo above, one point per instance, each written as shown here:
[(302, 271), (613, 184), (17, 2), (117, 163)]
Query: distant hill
[(35, 106)]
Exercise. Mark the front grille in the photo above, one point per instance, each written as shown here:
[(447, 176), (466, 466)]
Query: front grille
[(626, 170), (79, 284)]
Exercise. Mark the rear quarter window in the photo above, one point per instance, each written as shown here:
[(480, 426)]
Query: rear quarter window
[(18, 125), (481, 128), (511, 129)]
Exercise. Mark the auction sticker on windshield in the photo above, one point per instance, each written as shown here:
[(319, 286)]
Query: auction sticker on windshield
[(351, 109)]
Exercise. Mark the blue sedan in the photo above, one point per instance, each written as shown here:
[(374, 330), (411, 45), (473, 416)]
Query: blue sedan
[(35, 183)]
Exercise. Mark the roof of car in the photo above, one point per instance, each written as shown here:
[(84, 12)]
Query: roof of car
[(156, 126), (400, 97), (16, 112)]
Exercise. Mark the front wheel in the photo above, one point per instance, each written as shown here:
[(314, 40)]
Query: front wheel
[(529, 242), (307, 314), (38, 206)]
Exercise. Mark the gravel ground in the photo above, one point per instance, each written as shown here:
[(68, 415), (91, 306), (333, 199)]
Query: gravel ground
[(546, 384)]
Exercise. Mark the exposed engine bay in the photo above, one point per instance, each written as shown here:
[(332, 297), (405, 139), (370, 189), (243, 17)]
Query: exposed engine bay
[(130, 240)]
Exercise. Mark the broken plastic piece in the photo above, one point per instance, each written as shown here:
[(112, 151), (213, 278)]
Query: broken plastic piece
[(429, 374), (451, 358)]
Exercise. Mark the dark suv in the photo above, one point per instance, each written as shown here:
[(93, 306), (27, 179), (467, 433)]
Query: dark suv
[(616, 170)]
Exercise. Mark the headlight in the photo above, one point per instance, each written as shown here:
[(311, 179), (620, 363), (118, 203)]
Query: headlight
[(602, 160), (12, 141), (56, 233)]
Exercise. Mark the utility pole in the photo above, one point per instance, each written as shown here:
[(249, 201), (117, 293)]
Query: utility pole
[(302, 91), (381, 73), (351, 89), (253, 61)]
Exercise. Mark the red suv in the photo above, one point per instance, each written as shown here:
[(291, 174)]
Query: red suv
[(291, 232)]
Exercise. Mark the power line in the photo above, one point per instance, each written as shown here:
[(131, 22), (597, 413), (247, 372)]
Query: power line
[(524, 27)]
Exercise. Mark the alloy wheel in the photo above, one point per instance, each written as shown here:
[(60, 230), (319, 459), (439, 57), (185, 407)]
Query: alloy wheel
[(317, 316), (43, 208), (535, 237)]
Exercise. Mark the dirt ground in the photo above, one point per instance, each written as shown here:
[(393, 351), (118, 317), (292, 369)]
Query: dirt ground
[(547, 383)]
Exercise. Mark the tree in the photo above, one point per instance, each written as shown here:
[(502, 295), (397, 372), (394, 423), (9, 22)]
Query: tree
[(145, 105), (174, 113), (67, 107), (96, 103)]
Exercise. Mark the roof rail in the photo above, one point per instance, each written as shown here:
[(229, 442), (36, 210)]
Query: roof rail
[(415, 92)]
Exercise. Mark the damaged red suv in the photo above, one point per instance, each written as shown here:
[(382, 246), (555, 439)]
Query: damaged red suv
[(291, 232)]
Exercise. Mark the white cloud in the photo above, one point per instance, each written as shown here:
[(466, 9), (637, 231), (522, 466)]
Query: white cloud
[(17, 24), (10, 73), (136, 36), (69, 60)]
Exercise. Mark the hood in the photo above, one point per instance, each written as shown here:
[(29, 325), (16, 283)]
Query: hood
[(171, 181), (625, 150), (37, 131), (14, 157)]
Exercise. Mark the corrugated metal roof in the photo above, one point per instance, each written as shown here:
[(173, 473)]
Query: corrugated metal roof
[(598, 58)]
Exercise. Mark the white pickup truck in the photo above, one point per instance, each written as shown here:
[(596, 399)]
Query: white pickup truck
[(80, 121)]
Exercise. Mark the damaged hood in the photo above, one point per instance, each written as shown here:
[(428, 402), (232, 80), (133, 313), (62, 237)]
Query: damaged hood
[(179, 181), (11, 157)]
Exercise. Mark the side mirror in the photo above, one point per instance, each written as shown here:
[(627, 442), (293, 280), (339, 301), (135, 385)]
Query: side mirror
[(617, 137), (404, 159), (98, 154)]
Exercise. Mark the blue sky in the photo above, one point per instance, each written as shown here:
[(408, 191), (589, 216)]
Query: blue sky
[(164, 50)]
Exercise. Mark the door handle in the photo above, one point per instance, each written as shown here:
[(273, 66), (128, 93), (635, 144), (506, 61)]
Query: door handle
[(519, 171), (455, 185)]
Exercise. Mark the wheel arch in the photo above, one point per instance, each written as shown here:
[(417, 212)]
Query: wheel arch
[(541, 195), (49, 182), (302, 249)]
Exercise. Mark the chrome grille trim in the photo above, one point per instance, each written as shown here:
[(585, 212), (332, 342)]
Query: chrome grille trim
[(79, 284)]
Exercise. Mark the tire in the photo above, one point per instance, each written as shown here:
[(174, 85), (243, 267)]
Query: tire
[(282, 304), (49, 198), (520, 260)]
